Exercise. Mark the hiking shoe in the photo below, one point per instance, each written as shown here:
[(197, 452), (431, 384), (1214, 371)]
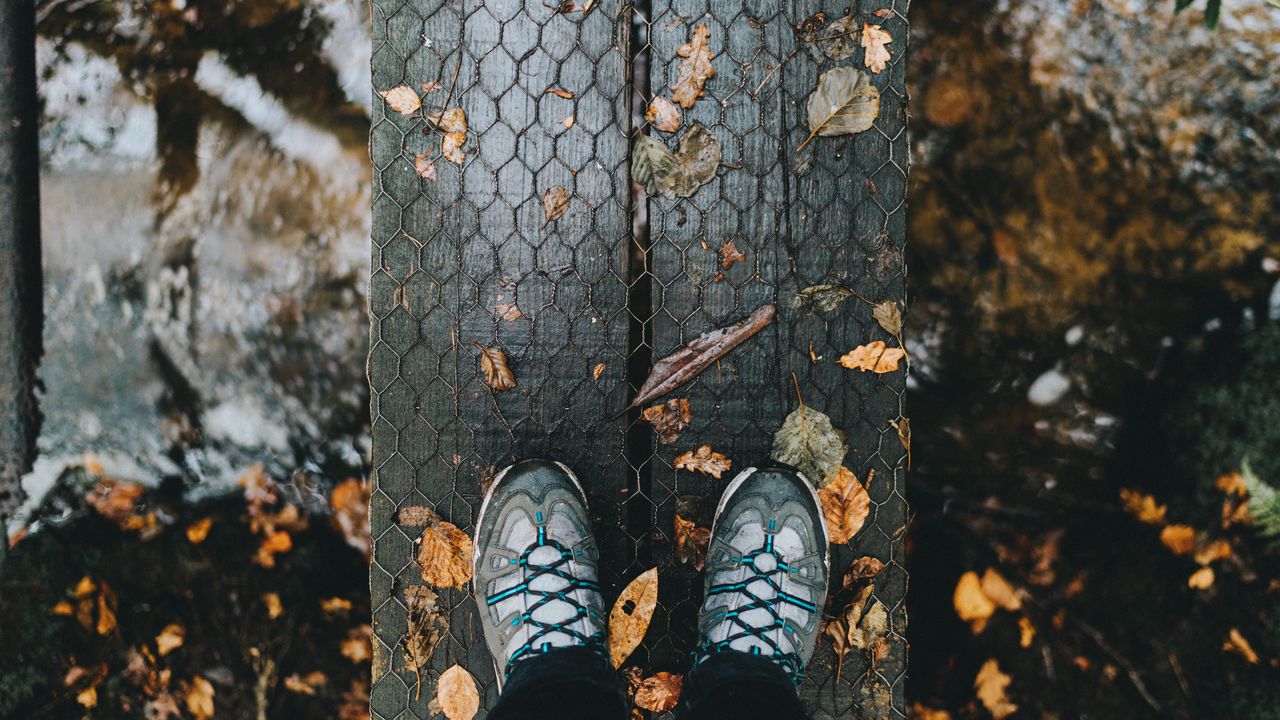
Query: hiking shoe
[(767, 568), (535, 565)]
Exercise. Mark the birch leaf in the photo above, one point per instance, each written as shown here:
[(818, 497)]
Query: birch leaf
[(451, 147), (704, 460), (695, 68), (630, 616), (888, 316), (845, 505), (874, 40), (653, 166), (453, 123), (669, 418), (554, 202), (497, 374), (845, 102), (698, 158), (403, 99), (444, 555), (873, 357), (457, 695), (808, 441), (424, 166), (663, 115)]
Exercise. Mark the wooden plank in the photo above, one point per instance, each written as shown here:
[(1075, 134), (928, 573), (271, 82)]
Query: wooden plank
[(447, 253), (832, 213)]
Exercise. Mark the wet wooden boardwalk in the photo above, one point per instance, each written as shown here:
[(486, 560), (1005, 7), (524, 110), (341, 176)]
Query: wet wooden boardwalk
[(585, 304)]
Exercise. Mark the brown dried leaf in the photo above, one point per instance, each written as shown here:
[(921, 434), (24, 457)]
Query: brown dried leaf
[(416, 516), (1142, 506), (444, 555), (695, 69), (808, 441), (888, 316), (1236, 643), (971, 604), (729, 255), (686, 363), (457, 694), (427, 625), (273, 544), (355, 701), (272, 602), (597, 371), (554, 202), (844, 103), (1216, 550), (497, 374), (430, 87), (115, 500), (567, 122), (350, 503), (704, 460), (874, 40), (1201, 579), (838, 40), (199, 699), (453, 123), (170, 639), (198, 531), (864, 568), (630, 616), (402, 99), (669, 418), (1180, 539), (859, 626), (305, 685), (990, 685), (873, 357), (845, 505), (1000, 592), (691, 543), (560, 93), (358, 645), (663, 115), (659, 692), (823, 298), (425, 166)]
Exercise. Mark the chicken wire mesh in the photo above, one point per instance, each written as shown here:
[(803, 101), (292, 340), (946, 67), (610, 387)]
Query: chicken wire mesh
[(554, 96)]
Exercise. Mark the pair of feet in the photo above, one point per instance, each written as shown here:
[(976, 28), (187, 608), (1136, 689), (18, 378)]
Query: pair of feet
[(536, 560)]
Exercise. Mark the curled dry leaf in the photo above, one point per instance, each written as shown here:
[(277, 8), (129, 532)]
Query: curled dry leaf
[(1236, 643), (497, 374), (444, 555), (990, 685), (845, 102), (630, 616), (402, 98), (874, 40), (823, 298), (686, 363), (1180, 539), (554, 202), (863, 621), (349, 501), (839, 39), (1142, 506), (888, 316), (453, 123), (170, 639), (903, 426), (669, 418), (691, 543), (457, 695), (663, 115), (597, 371), (424, 166), (971, 604), (659, 692), (729, 255), (1201, 579), (704, 460), (864, 568), (808, 441), (560, 93), (427, 625), (695, 68), (845, 505), (874, 357)]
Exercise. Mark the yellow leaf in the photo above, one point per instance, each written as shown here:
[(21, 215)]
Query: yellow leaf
[(668, 419), (444, 555), (349, 501), (170, 639), (695, 68), (971, 604), (1180, 539), (277, 542), (1201, 579), (62, 609), (457, 695), (402, 98), (358, 645), (873, 357), (199, 699), (88, 697), (1026, 631), (106, 613), (1216, 550), (199, 530), (1237, 644), (845, 505), (659, 692), (335, 605), (1232, 484), (874, 40), (995, 587), (630, 616), (704, 460), (597, 371), (990, 685), (1142, 506), (274, 607)]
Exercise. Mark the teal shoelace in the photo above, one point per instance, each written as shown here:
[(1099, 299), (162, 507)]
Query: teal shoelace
[(790, 661), (536, 644)]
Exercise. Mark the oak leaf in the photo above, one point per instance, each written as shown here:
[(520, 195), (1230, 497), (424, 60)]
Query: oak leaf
[(990, 686), (874, 40), (695, 68), (1180, 539), (663, 114), (808, 441), (691, 543), (845, 102), (457, 695), (444, 555), (402, 98), (497, 373), (659, 692), (845, 505), (873, 357), (630, 616), (669, 418), (704, 460)]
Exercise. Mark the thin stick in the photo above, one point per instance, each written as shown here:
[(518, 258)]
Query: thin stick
[(1120, 660)]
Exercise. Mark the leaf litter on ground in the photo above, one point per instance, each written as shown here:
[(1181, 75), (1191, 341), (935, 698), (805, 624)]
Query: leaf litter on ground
[(844, 103), (668, 419), (808, 441), (629, 619), (664, 173), (704, 460), (694, 68), (427, 625)]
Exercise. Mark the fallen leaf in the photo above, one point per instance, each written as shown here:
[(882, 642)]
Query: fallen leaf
[(1236, 643), (508, 312), (272, 602), (358, 645), (903, 426), (839, 39), (430, 87), (923, 712), (889, 317), (88, 698), (630, 616), (1232, 484), (62, 609), (845, 505), (990, 686), (274, 544), (1026, 631), (729, 255), (106, 612), (971, 604), (659, 692), (427, 625), (305, 685), (1216, 550), (403, 99), (694, 69), (858, 626), (199, 530), (663, 115), (873, 357), (416, 515), (425, 166), (444, 555), (597, 371), (457, 695), (1142, 506), (1180, 539), (335, 606), (560, 93), (704, 460), (349, 501), (117, 501), (567, 122), (170, 639), (453, 123), (823, 298), (554, 202), (451, 147), (691, 543), (1201, 579), (199, 698), (497, 374), (668, 419), (653, 166), (845, 102), (686, 363), (697, 159), (864, 568), (874, 40), (808, 441)]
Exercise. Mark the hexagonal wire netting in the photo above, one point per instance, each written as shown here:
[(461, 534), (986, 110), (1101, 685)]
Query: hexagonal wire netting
[(583, 305)]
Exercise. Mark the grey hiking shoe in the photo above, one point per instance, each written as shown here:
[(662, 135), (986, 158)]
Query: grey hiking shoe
[(767, 568), (535, 565)]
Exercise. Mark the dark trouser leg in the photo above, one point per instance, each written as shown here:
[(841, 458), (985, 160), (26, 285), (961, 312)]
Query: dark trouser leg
[(562, 684), (739, 686)]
